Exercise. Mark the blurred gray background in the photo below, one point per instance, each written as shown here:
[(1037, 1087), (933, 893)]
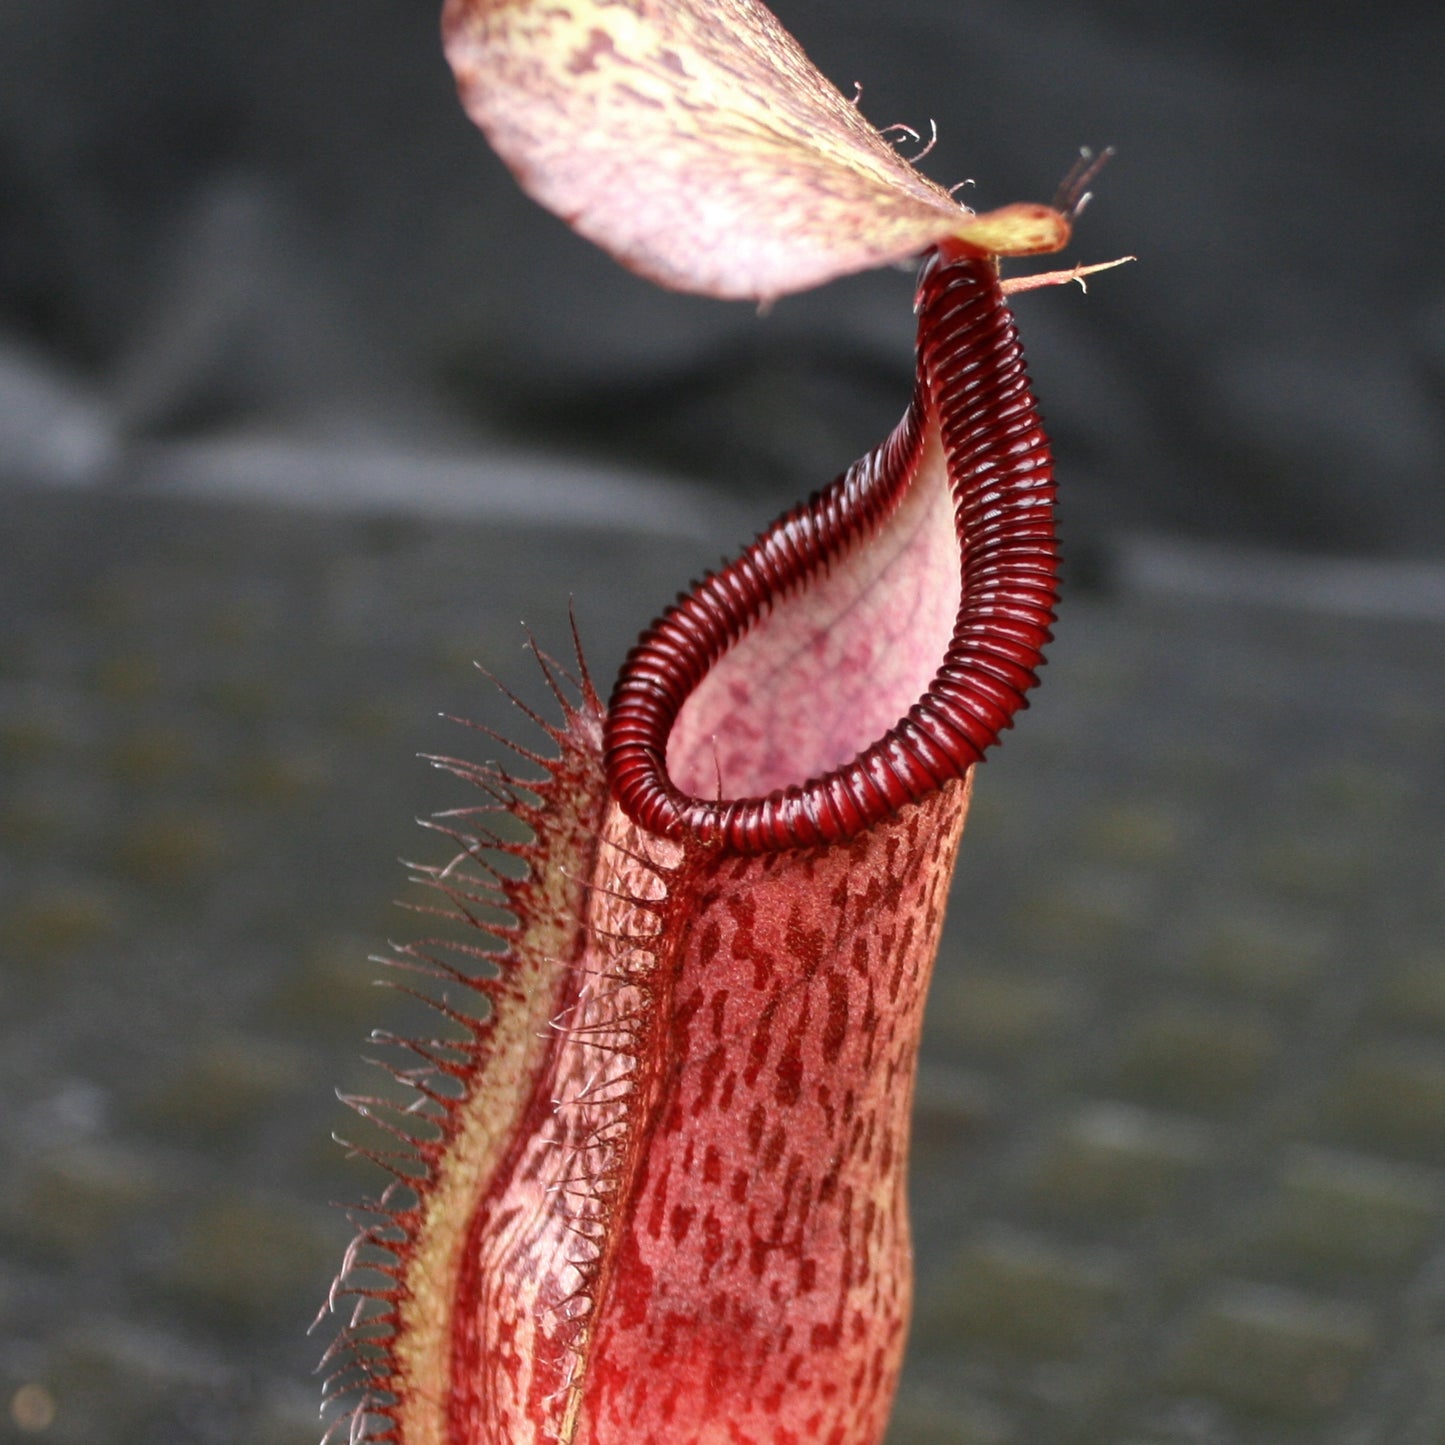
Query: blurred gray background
[(303, 407), (261, 218)]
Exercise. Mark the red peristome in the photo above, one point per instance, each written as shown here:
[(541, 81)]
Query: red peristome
[(973, 387), (666, 1203)]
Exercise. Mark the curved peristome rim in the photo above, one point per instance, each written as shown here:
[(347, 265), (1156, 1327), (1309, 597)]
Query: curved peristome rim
[(972, 384)]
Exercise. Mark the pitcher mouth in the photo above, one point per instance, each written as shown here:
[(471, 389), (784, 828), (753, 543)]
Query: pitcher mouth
[(972, 398)]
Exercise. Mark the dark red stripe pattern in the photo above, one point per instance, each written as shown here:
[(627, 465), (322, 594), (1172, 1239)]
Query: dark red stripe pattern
[(973, 382)]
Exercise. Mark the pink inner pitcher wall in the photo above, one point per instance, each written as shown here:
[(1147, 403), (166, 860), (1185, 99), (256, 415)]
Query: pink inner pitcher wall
[(868, 633)]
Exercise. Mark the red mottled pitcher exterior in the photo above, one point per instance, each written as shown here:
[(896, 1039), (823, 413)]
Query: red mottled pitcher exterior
[(763, 1284), (706, 1237)]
